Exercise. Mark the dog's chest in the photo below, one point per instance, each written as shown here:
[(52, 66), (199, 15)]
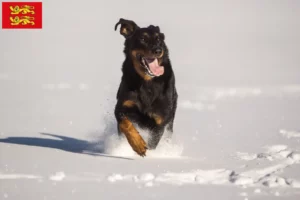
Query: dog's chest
[(149, 96)]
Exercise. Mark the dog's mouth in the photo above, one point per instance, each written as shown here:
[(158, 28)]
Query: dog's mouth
[(151, 65)]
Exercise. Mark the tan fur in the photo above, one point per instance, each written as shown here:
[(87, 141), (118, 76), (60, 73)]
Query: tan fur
[(146, 34), (139, 69), (124, 31), (134, 138), (157, 118), (129, 103)]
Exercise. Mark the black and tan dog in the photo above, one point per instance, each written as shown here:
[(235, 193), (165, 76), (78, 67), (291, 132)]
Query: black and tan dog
[(147, 94)]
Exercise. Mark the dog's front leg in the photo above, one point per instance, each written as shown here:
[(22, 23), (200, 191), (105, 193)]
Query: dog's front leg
[(126, 127), (133, 137)]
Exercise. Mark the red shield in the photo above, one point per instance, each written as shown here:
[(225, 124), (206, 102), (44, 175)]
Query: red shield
[(21, 15)]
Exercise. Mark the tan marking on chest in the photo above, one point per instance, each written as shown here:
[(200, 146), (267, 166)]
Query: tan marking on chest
[(129, 103), (157, 118)]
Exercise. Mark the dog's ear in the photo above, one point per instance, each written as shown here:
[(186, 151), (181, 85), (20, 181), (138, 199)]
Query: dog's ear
[(162, 36), (128, 27), (156, 28)]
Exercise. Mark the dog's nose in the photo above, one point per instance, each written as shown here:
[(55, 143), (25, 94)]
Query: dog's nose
[(157, 51)]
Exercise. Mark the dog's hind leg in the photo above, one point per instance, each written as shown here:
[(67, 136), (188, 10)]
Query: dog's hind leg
[(169, 127), (169, 131), (155, 137)]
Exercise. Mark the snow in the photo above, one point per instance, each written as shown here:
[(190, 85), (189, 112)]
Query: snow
[(236, 132), (59, 176), (290, 134), (17, 176)]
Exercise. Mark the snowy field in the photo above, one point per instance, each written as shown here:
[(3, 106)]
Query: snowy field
[(236, 131)]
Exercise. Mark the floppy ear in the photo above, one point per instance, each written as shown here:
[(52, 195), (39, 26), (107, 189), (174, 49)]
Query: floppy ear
[(156, 28), (162, 36), (128, 27)]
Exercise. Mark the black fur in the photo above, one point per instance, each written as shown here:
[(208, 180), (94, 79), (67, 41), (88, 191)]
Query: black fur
[(156, 96)]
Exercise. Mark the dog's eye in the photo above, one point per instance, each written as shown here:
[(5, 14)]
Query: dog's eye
[(143, 39)]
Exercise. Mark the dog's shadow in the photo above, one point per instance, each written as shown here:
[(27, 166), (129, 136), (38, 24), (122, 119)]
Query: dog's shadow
[(69, 144)]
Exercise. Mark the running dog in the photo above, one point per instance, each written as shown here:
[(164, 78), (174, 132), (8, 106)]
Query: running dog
[(147, 95)]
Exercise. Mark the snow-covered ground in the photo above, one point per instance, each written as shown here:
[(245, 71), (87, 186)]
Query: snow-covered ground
[(237, 128)]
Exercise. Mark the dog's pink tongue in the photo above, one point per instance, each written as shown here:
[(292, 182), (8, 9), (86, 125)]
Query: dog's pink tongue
[(155, 68)]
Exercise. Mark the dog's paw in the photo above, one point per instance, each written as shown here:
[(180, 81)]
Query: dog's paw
[(138, 144)]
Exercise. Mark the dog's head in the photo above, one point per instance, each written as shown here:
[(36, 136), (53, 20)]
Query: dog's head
[(145, 46)]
